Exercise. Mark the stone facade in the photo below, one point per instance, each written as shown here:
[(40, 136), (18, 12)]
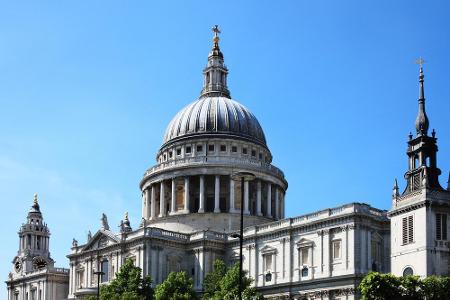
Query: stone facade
[(34, 276), (191, 211), (191, 205)]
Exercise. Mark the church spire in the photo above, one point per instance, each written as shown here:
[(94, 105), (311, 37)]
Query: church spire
[(422, 122), (423, 172), (215, 73)]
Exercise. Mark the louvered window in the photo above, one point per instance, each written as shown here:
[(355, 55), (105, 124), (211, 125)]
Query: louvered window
[(416, 182), (408, 230), (441, 226)]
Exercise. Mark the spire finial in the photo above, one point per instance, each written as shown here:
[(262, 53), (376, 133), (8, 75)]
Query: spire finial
[(420, 62), (126, 216), (422, 122), (35, 200), (216, 31), (395, 192)]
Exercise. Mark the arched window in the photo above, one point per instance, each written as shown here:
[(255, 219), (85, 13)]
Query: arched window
[(305, 271), (416, 162), (408, 271)]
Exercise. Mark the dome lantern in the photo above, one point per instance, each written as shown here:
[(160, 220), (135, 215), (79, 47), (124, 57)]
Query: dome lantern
[(215, 73)]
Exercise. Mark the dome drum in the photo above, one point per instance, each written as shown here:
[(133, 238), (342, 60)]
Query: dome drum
[(194, 193)]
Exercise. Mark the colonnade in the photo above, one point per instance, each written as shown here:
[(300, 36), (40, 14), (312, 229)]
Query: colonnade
[(33, 241), (157, 204)]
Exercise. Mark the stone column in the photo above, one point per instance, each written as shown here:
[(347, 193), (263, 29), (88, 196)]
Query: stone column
[(232, 208), (246, 198), (258, 198), (327, 253), (162, 201), (153, 203), (147, 204), (186, 194), (217, 194), (269, 200), (277, 203), (201, 206), (144, 207), (173, 204)]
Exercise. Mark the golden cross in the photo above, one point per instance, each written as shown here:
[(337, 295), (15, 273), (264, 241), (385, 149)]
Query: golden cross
[(216, 30), (420, 61)]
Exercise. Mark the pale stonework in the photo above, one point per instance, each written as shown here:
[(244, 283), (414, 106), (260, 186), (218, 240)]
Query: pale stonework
[(191, 208)]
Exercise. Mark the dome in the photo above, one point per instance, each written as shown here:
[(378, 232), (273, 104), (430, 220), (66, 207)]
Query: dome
[(215, 116)]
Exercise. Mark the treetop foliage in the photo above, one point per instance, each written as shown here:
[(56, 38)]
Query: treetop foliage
[(376, 286)]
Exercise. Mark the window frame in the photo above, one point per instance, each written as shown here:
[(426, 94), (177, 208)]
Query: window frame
[(407, 229), (333, 249), (441, 226)]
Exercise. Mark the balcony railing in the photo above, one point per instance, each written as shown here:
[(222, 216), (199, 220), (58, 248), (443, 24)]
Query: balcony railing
[(213, 160)]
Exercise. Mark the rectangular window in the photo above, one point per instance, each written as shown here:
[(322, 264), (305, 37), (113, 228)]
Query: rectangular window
[(211, 148), (253, 153), (408, 230), (199, 148), (233, 149), (260, 156), (170, 154), (336, 246), (304, 257), (223, 148), (244, 150), (188, 149), (268, 265), (104, 269), (179, 151), (441, 227)]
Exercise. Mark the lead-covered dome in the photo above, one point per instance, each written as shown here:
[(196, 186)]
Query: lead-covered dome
[(215, 116)]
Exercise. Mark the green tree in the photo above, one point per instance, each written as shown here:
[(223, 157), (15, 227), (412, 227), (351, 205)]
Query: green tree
[(223, 284), (177, 286), (376, 286), (412, 288), (128, 285), (436, 288), (212, 279)]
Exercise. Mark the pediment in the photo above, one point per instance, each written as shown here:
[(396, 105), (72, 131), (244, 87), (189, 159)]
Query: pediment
[(101, 239), (304, 243), (268, 249), (376, 237)]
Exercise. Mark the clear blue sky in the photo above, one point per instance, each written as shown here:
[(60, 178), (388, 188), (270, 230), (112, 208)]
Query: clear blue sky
[(87, 88)]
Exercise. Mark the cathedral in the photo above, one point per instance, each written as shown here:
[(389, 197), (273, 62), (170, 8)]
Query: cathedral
[(191, 205)]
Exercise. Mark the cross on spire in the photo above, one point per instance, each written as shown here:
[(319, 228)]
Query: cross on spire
[(420, 62), (216, 30)]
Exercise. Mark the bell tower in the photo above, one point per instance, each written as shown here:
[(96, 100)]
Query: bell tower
[(422, 150), (34, 275), (34, 237), (419, 226)]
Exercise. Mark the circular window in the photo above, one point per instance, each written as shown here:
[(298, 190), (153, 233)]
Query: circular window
[(408, 271)]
